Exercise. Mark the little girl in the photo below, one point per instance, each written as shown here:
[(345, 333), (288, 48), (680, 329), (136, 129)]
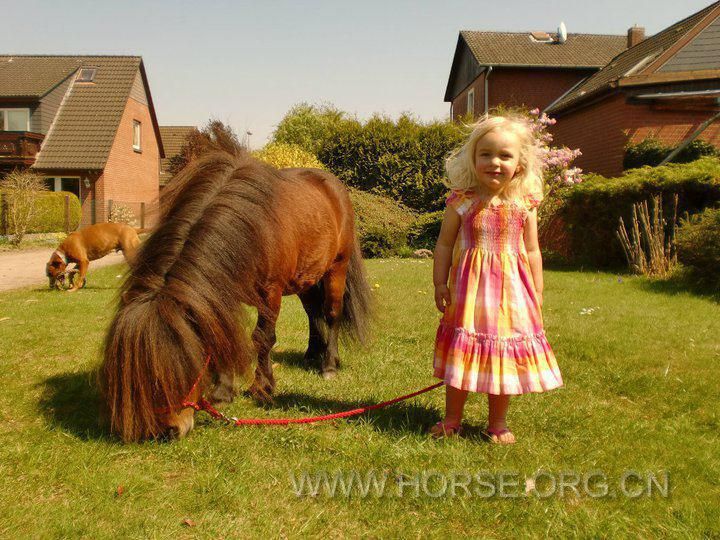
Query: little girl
[(491, 336)]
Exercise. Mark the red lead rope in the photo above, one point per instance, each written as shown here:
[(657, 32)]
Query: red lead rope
[(204, 405)]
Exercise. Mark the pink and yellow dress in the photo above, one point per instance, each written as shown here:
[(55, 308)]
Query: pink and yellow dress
[(491, 337)]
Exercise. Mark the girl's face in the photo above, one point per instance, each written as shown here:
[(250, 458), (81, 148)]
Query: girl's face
[(497, 154)]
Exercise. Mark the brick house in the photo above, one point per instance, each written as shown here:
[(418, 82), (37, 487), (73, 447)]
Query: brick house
[(522, 68), (666, 86), (87, 124), (173, 138)]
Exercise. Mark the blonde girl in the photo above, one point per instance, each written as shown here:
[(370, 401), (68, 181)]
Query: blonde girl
[(488, 276)]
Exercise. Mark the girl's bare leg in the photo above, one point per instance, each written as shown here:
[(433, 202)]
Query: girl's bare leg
[(454, 405), (497, 425)]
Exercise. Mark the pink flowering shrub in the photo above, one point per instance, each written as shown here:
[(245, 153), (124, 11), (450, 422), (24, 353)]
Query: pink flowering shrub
[(559, 176), (556, 160)]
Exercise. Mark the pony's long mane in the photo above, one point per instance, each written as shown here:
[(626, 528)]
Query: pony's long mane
[(182, 299)]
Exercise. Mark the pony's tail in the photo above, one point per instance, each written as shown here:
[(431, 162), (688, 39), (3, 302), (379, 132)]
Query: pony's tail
[(155, 350), (358, 301)]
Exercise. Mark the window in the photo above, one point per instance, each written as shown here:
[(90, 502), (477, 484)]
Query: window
[(136, 135), (71, 184), (86, 75), (14, 119), (471, 101)]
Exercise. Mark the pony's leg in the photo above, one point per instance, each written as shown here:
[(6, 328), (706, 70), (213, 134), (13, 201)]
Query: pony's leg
[(264, 339), (334, 288), (312, 301)]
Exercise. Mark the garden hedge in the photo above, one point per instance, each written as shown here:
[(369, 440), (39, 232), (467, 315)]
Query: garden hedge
[(698, 242), (403, 159), (590, 211), (50, 215), (652, 151), (382, 225)]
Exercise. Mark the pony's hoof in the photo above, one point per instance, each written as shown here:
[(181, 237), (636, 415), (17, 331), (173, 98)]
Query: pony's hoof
[(222, 395), (261, 393), (329, 375)]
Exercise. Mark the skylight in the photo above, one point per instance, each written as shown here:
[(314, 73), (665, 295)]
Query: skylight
[(541, 37), (86, 75)]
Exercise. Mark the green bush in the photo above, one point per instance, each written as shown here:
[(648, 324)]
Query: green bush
[(652, 151), (382, 224), (425, 230), (310, 126), (590, 211), (402, 159), (50, 216), (698, 242)]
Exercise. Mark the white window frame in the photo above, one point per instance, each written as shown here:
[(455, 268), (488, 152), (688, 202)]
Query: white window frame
[(471, 101), (137, 130), (5, 110)]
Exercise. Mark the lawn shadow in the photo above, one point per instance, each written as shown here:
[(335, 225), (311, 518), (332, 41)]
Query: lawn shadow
[(71, 402), (682, 281), (295, 359), (400, 418)]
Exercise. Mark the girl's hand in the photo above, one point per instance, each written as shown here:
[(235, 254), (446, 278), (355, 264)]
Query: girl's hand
[(539, 297), (442, 297)]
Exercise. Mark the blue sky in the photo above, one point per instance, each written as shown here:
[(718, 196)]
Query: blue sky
[(246, 63)]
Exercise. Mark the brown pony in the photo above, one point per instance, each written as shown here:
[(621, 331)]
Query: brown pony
[(233, 231)]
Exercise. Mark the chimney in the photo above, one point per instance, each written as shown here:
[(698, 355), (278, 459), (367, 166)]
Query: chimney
[(635, 35)]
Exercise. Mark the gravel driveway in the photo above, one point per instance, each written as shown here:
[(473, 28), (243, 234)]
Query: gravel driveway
[(27, 268)]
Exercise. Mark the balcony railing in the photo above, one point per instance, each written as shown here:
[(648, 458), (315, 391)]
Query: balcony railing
[(19, 147)]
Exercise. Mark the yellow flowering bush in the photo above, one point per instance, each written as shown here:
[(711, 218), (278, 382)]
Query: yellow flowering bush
[(282, 155)]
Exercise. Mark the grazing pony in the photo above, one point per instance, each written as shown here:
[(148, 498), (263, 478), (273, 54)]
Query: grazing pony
[(233, 231)]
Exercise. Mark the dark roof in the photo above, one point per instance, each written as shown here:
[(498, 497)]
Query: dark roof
[(520, 49), (85, 125), (34, 76), (633, 62), (173, 138)]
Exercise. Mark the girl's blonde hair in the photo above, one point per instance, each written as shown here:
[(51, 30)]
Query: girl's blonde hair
[(460, 164)]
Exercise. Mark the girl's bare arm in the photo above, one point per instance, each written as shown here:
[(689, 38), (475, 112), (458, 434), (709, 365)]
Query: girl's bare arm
[(532, 246), (442, 257)]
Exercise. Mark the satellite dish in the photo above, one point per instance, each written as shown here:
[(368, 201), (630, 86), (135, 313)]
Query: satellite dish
[(562, 33)]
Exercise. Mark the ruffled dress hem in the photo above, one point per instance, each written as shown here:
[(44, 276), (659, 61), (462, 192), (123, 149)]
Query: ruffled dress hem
[(494, 364)]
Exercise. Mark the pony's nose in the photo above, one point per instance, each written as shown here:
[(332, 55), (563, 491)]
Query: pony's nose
[(182, 424)]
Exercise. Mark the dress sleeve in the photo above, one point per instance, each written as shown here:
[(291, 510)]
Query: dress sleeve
[(459, 201), (532, 200)]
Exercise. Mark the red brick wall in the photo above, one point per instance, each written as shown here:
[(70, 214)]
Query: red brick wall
[(131, 177), (516, 87), (459, 104), (530, 87), (602, 131)]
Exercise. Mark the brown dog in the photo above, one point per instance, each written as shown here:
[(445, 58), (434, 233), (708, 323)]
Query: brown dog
[(89, 244)]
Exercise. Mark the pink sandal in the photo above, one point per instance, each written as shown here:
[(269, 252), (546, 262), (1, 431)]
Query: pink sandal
[(442, 430), (496, 433)]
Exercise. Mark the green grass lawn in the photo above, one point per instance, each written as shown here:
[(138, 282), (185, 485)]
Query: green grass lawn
[(642, 375)]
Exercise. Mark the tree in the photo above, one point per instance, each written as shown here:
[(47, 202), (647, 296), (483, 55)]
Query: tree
[(21, 189)]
